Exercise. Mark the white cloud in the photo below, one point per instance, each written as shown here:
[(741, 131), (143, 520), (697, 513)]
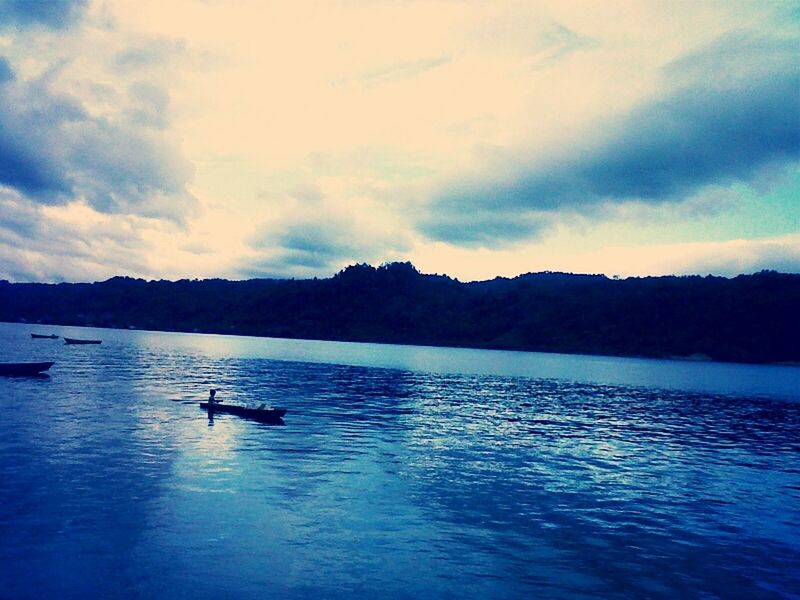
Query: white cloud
[(331, 123)]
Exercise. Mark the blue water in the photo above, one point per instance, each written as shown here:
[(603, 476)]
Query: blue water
[(401, 472)]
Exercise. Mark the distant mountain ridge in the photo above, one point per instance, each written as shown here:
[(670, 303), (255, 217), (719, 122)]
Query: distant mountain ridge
[(749, 318)]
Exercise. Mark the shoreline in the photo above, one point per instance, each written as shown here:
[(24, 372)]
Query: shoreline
[(693, 358)]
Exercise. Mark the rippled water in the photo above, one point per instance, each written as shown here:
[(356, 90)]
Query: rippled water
[(402, 473)]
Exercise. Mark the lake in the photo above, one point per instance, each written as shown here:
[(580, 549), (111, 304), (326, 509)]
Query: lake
[(400, 472)]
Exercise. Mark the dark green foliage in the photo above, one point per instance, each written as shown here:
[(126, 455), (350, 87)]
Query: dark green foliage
[(750, 318)]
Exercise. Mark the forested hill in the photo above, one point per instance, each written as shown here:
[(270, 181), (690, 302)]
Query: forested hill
[(749, 318)]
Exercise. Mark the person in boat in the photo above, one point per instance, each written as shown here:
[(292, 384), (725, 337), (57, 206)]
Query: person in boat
[(212, 401), (212, 398)]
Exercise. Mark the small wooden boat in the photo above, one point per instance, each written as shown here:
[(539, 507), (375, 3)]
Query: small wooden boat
[(265, 415), (41, 336), (31, 368), (74, 341)]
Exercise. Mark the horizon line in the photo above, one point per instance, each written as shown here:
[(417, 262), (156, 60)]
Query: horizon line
[(384, 265)]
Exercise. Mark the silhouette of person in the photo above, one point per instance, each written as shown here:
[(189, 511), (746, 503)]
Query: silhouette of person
[(212, 401)]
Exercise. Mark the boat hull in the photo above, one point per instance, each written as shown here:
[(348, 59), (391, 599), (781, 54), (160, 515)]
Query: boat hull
[(39, 336), (266, 415), (84, 342), (24, 368)]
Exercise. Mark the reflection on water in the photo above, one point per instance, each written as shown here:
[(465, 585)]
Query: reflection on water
[(400, 483)]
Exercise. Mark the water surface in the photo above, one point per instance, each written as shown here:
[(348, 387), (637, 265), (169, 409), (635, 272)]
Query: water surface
[(401, 472)]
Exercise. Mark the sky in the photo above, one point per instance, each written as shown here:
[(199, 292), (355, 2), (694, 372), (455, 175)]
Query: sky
[(172, 139)]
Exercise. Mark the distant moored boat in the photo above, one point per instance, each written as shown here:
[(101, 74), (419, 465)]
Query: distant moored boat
[(41, 336), (75, 341), (33, 368)]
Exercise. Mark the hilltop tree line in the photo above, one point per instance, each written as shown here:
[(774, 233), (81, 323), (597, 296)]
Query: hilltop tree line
[(749, 318)]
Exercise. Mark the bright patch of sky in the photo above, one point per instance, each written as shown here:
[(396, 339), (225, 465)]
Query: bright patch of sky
[(236, 138)]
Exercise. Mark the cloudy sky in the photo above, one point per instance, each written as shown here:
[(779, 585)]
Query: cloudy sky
[(238, 139)]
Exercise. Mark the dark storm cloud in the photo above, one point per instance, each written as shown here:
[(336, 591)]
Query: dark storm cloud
[(478, 227), (317, 243), (733, 110), (300, 242), (51, 13), (6, 73), (28, 162), (53, 151)]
